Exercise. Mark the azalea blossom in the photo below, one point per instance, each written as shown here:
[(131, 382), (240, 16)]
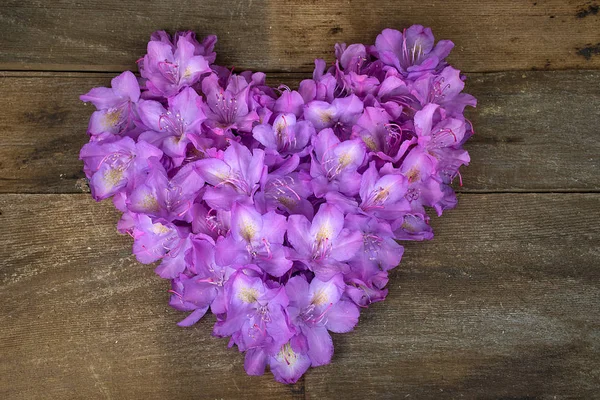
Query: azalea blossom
[(169, 129), (172, 66), (117, 107), (279, 211)]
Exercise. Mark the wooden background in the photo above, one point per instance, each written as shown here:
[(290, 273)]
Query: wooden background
[(503, 303)]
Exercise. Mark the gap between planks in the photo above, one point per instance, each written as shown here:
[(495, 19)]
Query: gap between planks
[(21, 69)]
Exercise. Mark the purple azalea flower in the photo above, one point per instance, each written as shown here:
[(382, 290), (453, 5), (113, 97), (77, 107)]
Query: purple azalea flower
[(383, 196), (365, 284), (443, 89), (205, 49), (441, 136), (210, 222), (412, 52), (340, 114), (116, 106), (285, 136), (179, 301), (379, 249), (286, 190), (412, 227), (113, 166), (383, 138), (334, 164), (359, 60), (227, 108), (351, 58), (394, 96), (360, 85), (316, 308), (161, 197), (423, 189), (235, 177), (256, 316), (290, 102), (323, 244), (291, 362), (367, 277), (321, 87), (205, 288), (255, 239), (170, 67), (168, 129), (435, 132), (161, 240), (354, 71)]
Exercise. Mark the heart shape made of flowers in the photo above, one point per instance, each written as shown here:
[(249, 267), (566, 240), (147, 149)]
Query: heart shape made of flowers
[(279, 210)]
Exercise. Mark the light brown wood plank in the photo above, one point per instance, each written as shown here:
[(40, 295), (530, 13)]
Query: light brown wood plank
[(504, 302), (536, 131), (275, 35)]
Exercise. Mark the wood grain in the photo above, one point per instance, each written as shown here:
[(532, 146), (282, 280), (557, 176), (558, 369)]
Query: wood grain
[(276, 35), (536, 131), (504, 302)]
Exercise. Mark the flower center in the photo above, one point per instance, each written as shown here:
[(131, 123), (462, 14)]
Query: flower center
[(112, 117), (248, 230), (169, 70), (172, 123), (150, 203), (113, 176), (226, 109), (321, 246), (287, 354), (248, 295), (376, 198), (413, 175)]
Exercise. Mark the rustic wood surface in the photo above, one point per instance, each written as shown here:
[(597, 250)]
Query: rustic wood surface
[(503, 303), (505, 307), (286, 35)]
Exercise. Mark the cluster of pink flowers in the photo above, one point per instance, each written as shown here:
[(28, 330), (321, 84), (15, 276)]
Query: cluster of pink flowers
[(277, 209)]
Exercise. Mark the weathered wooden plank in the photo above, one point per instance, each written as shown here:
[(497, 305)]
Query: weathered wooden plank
[(275, 35), (536, 131), (82, 319), (504, 302)]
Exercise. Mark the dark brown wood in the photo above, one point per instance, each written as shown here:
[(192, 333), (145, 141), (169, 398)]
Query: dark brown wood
[(502, 303), (536, 131), (276, 35)]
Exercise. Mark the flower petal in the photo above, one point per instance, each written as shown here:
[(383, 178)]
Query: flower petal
[(255, 361), (298, 234), (342, 317), (194, 317), (126, 86), (246, 223), (213, 170), (327, 223), (288, 366), (320, 345), (322, 294)]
